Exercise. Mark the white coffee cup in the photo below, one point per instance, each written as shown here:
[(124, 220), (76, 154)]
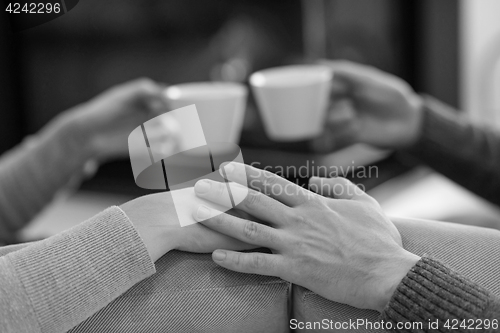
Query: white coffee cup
[(220, 105), (292, 100)]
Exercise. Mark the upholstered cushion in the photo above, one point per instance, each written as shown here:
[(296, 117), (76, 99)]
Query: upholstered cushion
[(189, 293), (472, 251)]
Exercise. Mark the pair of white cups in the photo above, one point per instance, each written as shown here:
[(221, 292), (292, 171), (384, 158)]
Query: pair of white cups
[(292, 101)]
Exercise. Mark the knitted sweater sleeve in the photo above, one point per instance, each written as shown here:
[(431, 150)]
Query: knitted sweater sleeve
[(433, 294), (54, 284)]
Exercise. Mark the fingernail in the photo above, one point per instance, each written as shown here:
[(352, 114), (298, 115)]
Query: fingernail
[(219, 255), (202, 213), (202, 187), (156, 105), (229, 168)]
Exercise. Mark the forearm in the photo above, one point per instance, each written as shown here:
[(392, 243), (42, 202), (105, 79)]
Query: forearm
[(32, 172), (54, 284), (463, 152), (432, 293)]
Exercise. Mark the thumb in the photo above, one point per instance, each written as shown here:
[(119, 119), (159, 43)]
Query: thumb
[(347, 76), (340, 113), (340, 127)]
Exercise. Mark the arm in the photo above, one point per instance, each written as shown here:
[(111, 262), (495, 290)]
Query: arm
[(376, 108), (472, 252), (343, 248), (54, 284), (31, 174), (467, 154), (34, 171)]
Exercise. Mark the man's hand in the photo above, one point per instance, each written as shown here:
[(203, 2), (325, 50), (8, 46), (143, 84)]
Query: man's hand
[(155, 219), (369, 106), (344, 249)]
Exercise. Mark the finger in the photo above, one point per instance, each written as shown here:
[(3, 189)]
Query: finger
[(339, 127), (338, 188), (166, 127), (243, 215), (147, 92), (266, 182), (250, 263), (344, 78), (324, 143), (244, 230), (340, 111), (341, 118), (349, 71), (336, 136), (212, 240), (138, 87), (249, 201), (339, 88), (349, 77)]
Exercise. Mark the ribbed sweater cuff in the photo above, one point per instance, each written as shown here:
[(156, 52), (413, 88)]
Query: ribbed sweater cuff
[(72, 275), (432, 292)]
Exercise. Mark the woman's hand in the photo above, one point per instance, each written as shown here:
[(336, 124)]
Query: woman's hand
[(155, 219), (369, 106), (344, 249), (102, 125)]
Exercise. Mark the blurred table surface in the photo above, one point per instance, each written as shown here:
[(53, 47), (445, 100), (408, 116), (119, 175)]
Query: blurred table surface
[(419, 193)]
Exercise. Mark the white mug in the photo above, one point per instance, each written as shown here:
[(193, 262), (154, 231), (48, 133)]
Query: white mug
[(292, 100), (221, 108)]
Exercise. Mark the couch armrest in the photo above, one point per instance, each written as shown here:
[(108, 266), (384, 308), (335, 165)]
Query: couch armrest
[(471, 251), (190, 293)]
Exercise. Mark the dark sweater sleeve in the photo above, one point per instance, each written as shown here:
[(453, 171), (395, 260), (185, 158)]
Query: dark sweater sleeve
[(431, 292), (466, 153)]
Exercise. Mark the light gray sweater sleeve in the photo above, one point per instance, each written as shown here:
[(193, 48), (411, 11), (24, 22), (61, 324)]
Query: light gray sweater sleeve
[(54, 284), (32, 172)]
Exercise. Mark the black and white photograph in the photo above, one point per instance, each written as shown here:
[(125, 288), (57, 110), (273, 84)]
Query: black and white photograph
[(249, 166)]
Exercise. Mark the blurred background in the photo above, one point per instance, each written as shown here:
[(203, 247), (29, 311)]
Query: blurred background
[(449, 49)]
